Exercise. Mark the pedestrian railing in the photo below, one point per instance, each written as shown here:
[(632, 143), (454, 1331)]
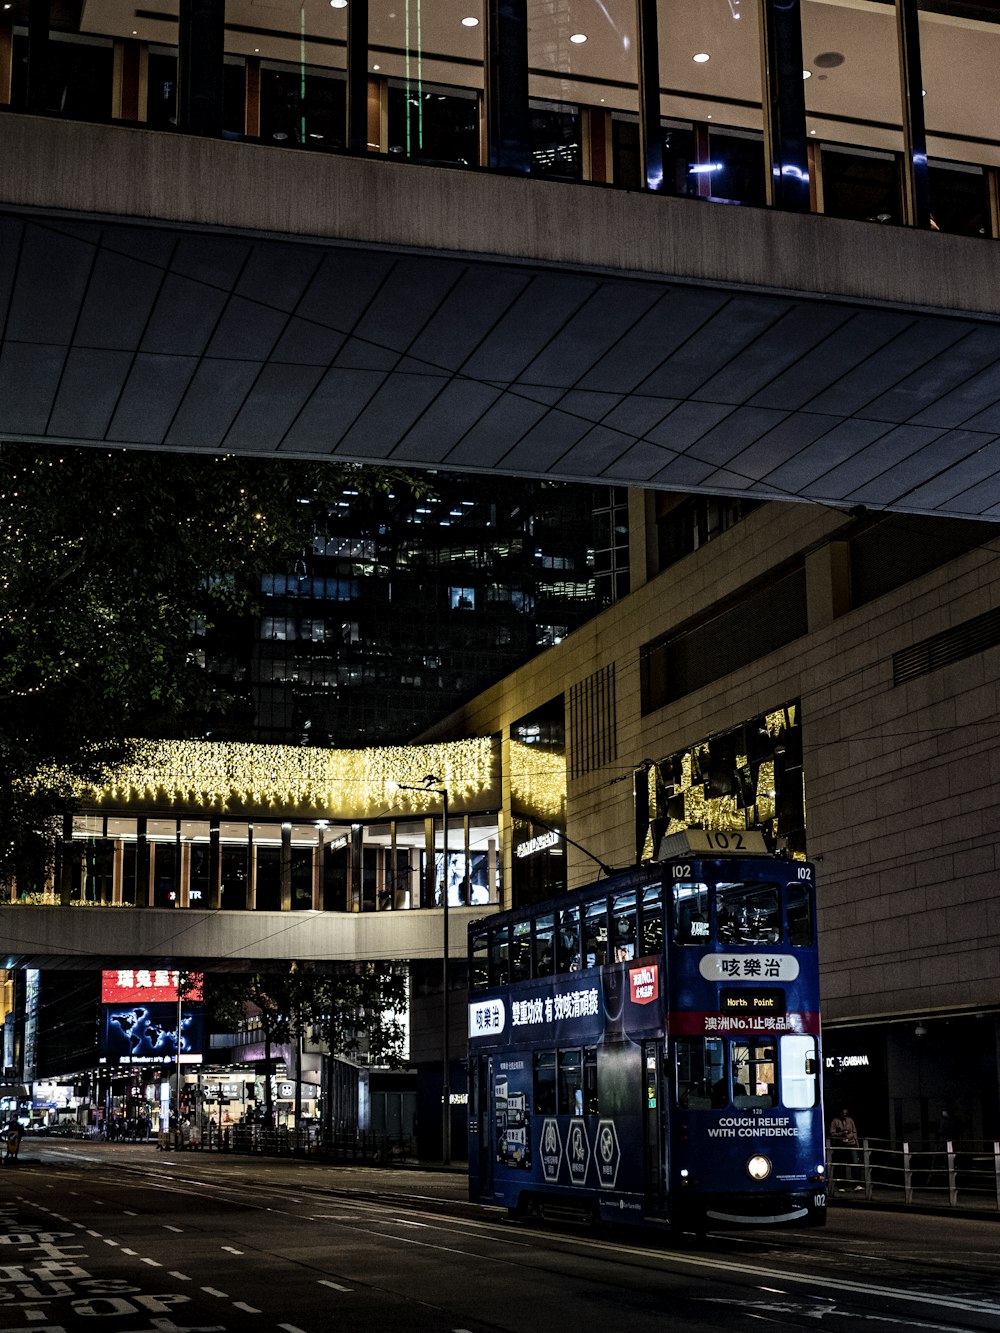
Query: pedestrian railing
[(951, 1174)]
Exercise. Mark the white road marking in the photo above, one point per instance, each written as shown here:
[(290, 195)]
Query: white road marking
[(152, 1263), (128, 1214), (335, 1285), (291, 1328), (214, 1291), (109, 1241), (168, 1227), (125, 1251), (93, 1233), (230, 1249), (242, 1305), (181, 1277)]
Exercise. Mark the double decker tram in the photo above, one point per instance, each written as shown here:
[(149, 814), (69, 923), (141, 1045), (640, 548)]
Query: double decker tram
[(647, 1049)]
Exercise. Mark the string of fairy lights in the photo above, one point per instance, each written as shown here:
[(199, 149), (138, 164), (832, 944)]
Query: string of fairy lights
[(222, 775)]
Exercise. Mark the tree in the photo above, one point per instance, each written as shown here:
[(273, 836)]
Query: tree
[(356, 1010), (106, 561)]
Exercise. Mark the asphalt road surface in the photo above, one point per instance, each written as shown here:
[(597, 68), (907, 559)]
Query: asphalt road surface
[(118, 1238)]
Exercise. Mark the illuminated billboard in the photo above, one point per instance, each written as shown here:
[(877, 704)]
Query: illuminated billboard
[(127, 985), (147, 1033)]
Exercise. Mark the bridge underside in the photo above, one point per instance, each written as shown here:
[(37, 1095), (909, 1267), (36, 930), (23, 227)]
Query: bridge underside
[(588, 335), (89, 938)]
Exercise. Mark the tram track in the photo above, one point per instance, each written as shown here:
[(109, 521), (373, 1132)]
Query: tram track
[(791, 1276)]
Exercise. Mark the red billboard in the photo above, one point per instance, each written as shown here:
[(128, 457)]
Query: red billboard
[(126, 985)]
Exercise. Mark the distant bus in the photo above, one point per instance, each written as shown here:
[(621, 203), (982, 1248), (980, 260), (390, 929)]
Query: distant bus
[(647, 1049)]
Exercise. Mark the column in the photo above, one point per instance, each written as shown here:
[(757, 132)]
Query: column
[(251, 112), (378, 114), (428, 886), (648, 56), (356, 881), (596, 129), (285, 867), (784, 105), (508, 132), (214, 864), (39, 17), (916, 180), (128, 99), (200, 60), (6, 58), (143, 866), (357, 76), (118, 872)]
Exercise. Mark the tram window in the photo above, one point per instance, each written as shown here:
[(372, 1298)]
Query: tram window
[(520, 952), (754, 1074), (701, 1077), (798, 1072), (545, 927), (623, 926), (798, 906), (569, 940), (480, 960), (652, 920), (747, 913), (499, 957), (595, 934), (545, 1082), (570, 1083), (691, 925), (591, 1102)]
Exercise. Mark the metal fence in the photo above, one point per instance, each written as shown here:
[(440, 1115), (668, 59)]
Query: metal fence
[(944, 1174)]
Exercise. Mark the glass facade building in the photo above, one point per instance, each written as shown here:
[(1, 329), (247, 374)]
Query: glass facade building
[(409, 605), (867, 111)]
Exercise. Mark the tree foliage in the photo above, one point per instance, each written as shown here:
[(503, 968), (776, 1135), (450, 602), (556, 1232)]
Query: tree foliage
[(356, 1011), (107, 558)]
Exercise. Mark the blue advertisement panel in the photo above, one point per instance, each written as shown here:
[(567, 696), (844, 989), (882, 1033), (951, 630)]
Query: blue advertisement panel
[(573, 1009), (147, 1033)]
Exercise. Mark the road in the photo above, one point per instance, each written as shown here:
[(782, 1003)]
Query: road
[(118, 1238)]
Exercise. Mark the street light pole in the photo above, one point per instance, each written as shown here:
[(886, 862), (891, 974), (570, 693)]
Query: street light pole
[(442, 791), (445, 1061)]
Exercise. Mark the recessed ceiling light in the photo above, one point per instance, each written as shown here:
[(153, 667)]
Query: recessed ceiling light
[(578, 38), (376, 66), (701, 58), (807, 73), (338, 4), (812, 131), (470, 21)]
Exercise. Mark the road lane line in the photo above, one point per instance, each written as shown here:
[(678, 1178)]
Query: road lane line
[(335, 1285), (230, 1249), (291, 1328), (152, 1263), (181, 1277), (242, 1305), (125, 1251), (214, 1291), (168, 1227)]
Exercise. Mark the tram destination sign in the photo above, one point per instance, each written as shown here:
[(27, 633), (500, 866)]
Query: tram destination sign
[(752, 1001)]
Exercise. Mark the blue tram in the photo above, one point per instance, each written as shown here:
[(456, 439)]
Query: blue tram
[(647, 1049)]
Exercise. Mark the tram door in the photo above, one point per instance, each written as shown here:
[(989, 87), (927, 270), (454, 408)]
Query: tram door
[(482, 1124), (655, 1167)]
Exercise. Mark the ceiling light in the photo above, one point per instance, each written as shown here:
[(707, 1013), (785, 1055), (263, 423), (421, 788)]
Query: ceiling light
[(376, 66), (470, 21), (578, 38), (338, 4), (807, 73), (701, 58)]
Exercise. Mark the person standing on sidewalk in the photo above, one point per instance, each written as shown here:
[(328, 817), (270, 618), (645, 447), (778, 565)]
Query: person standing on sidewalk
[(844, 1150)]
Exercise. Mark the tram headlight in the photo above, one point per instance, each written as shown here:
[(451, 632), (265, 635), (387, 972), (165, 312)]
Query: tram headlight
[(758, 1167)]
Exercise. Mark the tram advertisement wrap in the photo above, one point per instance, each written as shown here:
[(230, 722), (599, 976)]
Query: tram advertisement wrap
[(573, 1008)]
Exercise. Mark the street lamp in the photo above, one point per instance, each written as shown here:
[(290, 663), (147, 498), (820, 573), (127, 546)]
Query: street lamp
[(434, 786)]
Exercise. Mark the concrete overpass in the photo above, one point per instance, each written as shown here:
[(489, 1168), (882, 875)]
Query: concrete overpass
[(170, 292), (89, 938)]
